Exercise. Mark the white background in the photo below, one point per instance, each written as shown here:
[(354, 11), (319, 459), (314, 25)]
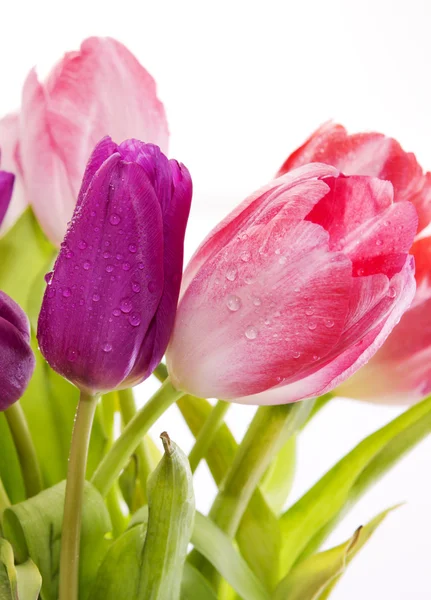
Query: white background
[(244, 83)]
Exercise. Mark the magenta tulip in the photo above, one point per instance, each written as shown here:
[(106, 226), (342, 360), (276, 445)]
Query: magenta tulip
[(6, 187), (99, 90), (110, 304), (295, 290), (16, 356), (400, 372)]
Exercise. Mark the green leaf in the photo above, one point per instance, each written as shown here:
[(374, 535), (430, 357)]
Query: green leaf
[(321, 505), (218, 549), (315, 577), (10, 470), (258, 535), (34, 530), (194, 585), (17, 583), (278, 480)]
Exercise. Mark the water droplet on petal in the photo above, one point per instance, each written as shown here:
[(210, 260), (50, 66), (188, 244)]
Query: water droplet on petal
[(116, 312), (152, 287), (107, 347), (132, 248), (93, 213), (251, 333), (248, 279), (141, 266), (96, 297), (126, 305), (135, 320), (86, 265), (315, 357), (386, 223), (257, 301), (67, 292), (82, 245), (69, 253), (51, 292), (379, 242), (329, 323), (126, 266), (392, 292), (48, 277), (72, 355), (114, 219), (312, 326), (233, 303), (231, 273), (245, 256), (296, 354), (106, 254), (297, 290), (309, 311), (136, 287), (109, 268), (360, 272)]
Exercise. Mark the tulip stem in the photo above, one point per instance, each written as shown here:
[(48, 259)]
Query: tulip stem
[(128, 411), (117, 457), (25, 448), (71, 533), (4, 499), (207, 433)]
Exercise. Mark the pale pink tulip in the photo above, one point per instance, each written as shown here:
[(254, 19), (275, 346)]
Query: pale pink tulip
[(97, 91), (295, 290), (400, 372)]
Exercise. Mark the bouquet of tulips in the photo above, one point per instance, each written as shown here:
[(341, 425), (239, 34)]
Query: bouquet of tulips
[(316, 285)]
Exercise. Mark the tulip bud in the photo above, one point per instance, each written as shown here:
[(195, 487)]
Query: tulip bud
[(295, 290), (400, 372), (16, 356), (6, 186), (110, 303)]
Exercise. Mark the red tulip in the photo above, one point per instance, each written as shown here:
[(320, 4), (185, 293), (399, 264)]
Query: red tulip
[(295, 290), (401, 371), (99, 90)]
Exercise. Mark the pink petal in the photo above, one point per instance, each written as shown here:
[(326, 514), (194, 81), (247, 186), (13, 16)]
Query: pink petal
[(9, 129)]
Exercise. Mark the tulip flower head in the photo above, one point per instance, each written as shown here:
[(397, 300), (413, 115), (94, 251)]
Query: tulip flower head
[(100, 89), (16, 356), (6, 187), (110, 303), (295, 290), (400, 372)]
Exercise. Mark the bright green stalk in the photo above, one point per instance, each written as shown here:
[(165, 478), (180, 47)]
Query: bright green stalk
[(207, 434)]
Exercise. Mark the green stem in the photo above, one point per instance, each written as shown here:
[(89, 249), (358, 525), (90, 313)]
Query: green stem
[(71, 533), (128, 411), (25, 448), (118, 456), (118, 518), (270, 429), (207, 434), (4, 499)]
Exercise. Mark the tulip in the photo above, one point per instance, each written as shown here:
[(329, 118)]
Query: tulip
[(16, 356), (295, 290), (109, 306), (101, 89), (6, 186), (400, 372)]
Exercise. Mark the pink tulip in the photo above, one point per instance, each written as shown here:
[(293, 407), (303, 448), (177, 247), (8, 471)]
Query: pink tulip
[(400, 372), (295, 290), (99, 90)]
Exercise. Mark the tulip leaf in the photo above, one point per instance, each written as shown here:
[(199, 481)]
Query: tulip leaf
[(217, 548), (325, 501), (258, 535), (17, 583), (34, 528), (10, 470), (315, 577), (194, 585), (278, 481)]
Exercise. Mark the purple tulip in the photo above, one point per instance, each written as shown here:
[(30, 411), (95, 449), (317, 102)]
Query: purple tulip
[(110, 303), (16, 356), (6, 186)]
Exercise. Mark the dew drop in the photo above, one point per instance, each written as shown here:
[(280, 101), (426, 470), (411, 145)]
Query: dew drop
[(51, 292), (116, 312), (96, 297), (141, 266), (392, 292), (114, 219), (82, 245), (386, 223), (109, 268), (72, 355), (67, 292), (152, 287), (127, 266), (278, 251), (126, 305), (315, 357), (135, 320), (248, 279), (251, 333), (257, 301), (309, 311), (106, 254), (329, 323), (282, 260), (96, 229), (48, 277), (69, 253), (297, 290), (81, 302), (93, 213), (132, 248), (119, 256), (136, 287), (107, 347), (379, 242), (296, 354), (233, 303), (312, 326), (360, 272), (245, 256), (231, 273), (86, 265)]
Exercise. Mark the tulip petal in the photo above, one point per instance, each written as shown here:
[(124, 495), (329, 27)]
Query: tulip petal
[(6, 187), (9, 130), (11, 312), (264, 319), (360, 217), (345, 364), (370, 154), (108, 280), (46, 181)]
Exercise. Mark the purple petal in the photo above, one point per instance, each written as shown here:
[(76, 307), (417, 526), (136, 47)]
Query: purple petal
[(104, 149), (6, 187)]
